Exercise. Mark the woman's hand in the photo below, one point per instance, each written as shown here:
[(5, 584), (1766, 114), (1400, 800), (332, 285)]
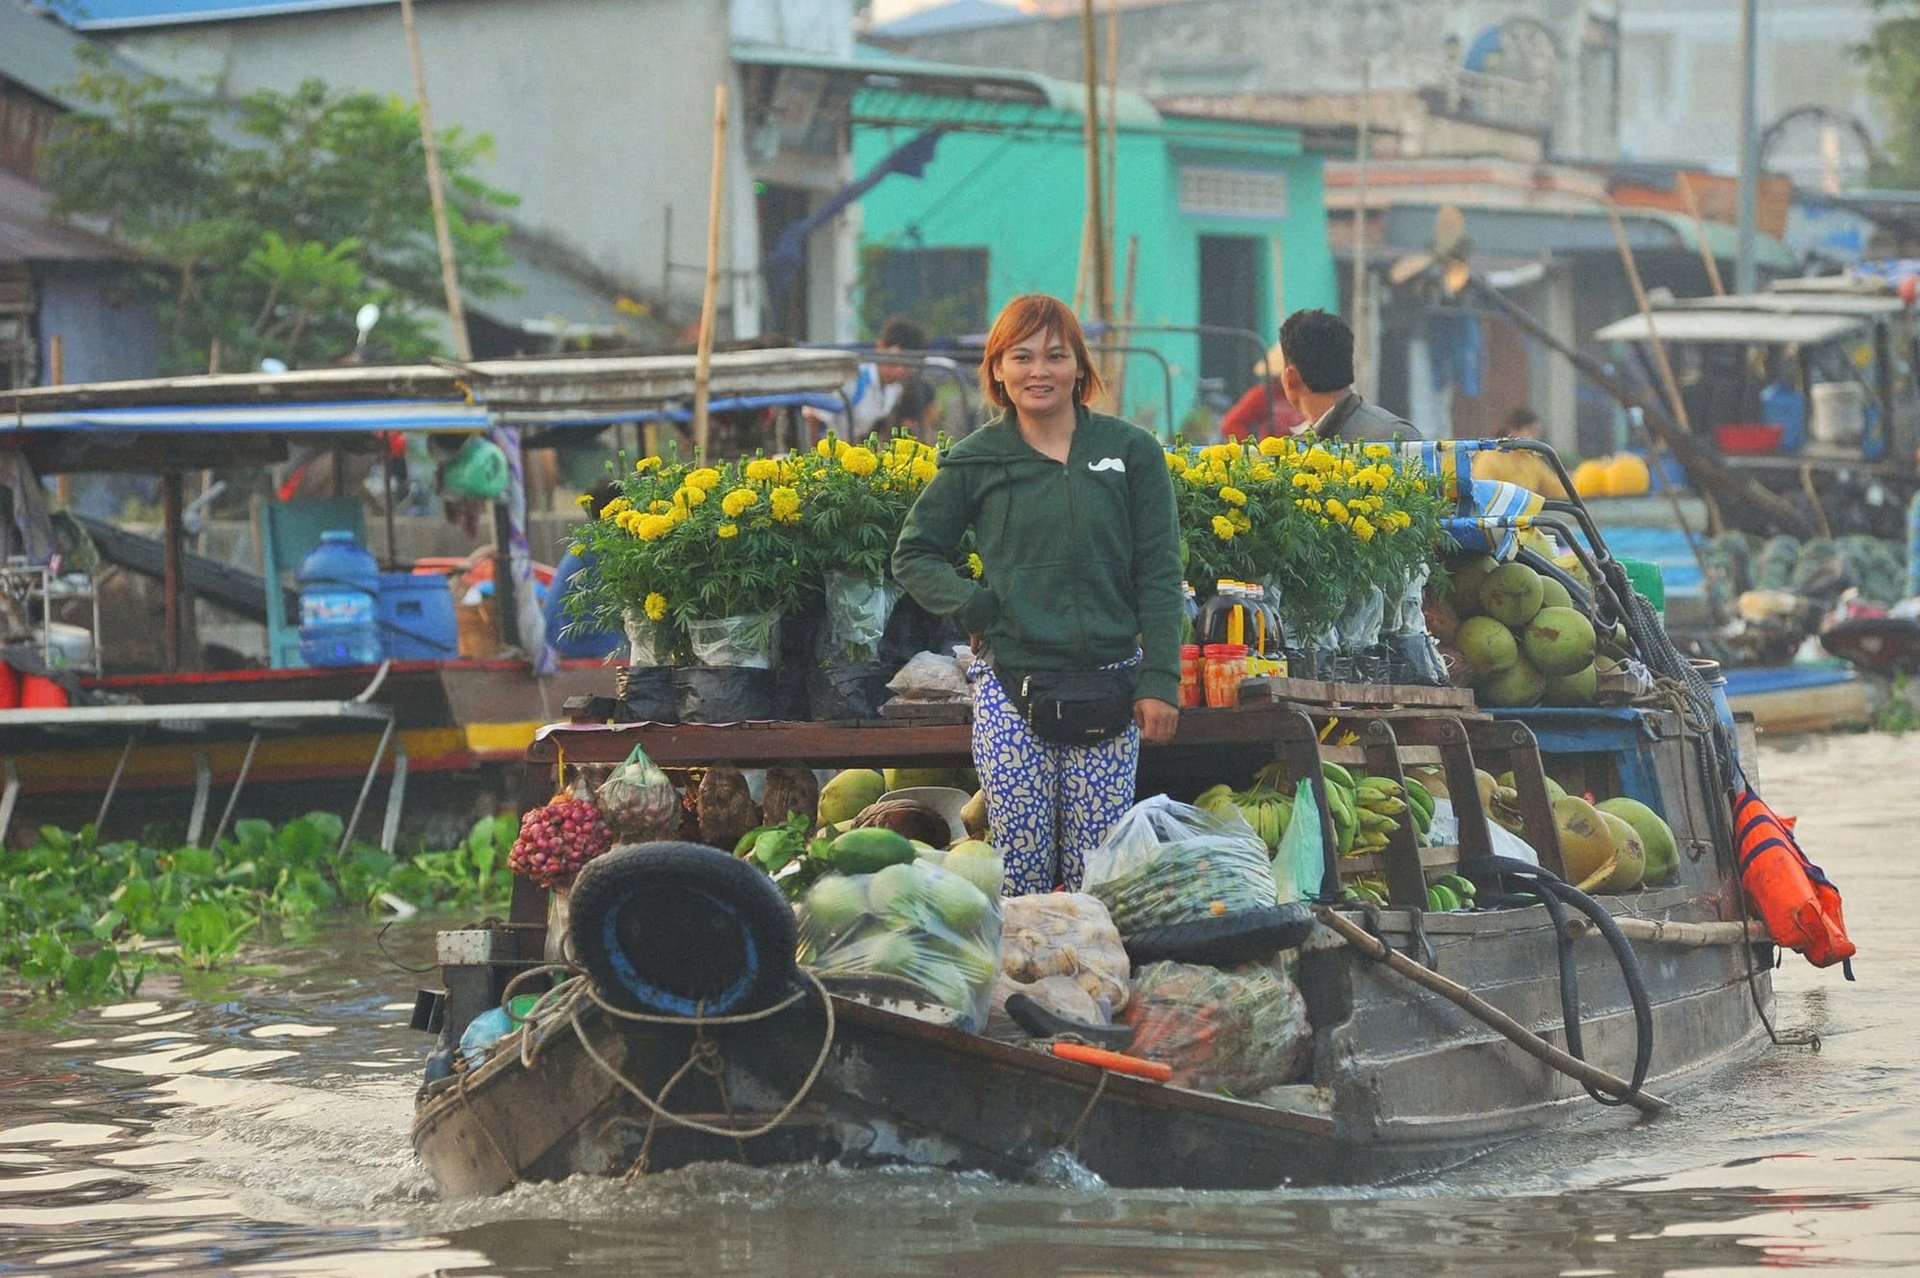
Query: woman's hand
[(1157, 720)]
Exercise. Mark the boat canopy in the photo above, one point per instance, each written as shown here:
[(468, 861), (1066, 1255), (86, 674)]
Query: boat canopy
[(1763, 327)]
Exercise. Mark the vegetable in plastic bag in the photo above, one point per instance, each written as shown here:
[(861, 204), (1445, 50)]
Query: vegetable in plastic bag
[(638, 802), (1068, 935), (1300, 864), (1166, 862), (915, 921), (558, 839), (857, 611), (1236, 1030)]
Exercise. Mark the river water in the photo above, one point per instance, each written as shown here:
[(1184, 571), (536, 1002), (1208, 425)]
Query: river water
[(256, 1124)]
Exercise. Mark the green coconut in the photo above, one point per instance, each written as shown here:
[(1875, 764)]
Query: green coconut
[(1656, 836), (1559, 641), (1518, 685), (1511, 594), (1631, 865), (1585, 843), (1488, 646), (1467, 572), (1553, 594), (1577, 689)]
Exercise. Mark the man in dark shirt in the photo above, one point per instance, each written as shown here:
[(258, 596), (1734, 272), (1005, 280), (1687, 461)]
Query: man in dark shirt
[(1316, 372)]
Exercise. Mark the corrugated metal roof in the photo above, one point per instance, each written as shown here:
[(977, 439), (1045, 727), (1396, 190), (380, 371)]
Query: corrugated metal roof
[(39, 53), (952, 17), (1755, 327), (28, 234), (118, 15)]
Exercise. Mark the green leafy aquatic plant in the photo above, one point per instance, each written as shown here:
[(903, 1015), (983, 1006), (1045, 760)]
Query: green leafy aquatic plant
[(85, 920)]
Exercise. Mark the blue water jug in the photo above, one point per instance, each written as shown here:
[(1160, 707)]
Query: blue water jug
[(339, 585), (1783, 406)]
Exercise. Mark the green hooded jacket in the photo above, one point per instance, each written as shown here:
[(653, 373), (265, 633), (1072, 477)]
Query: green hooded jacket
[(1082, 559)]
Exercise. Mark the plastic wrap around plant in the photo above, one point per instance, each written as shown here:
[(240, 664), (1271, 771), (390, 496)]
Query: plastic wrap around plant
[(858, 609), (648, 641), (1360, 626), (1166, 862), (915, 921), (1237, 1030), (747, 641), (1066, 935), (1407, 615), (638, 802)]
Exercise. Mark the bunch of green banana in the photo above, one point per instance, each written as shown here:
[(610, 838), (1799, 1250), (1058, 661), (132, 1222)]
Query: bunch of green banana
[(1344, 808), (1372, 891), (1379, 801), (1419, 808), (1268, 811), (1453, 892)]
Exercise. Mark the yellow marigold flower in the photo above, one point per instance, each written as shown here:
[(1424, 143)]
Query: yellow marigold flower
[(646, 464), (1216, 473), (1378, 452), (785, 504), (1273, 446), (653, 527), (1223, 529), (1337, 509), (656, 606), (840, 447), (1308, 503), (740, 499), (762, 469), (689, 495), (786, 472), (975, 567), (905, 447), (660, 508), (704, 478), (825, 446), (1176, 463), (1197, 476), (1362, 529), (1239, 521), (677, 515), (860, 461), (1261, 472), (1396, 520), (626, 520), (1233, 496), (923, 470), (611, 511), (1318, 458), (576, 549), (725, 531), (584, 500)]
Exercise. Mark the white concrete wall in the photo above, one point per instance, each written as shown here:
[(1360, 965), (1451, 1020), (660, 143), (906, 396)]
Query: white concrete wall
[(817, 26), (1680, 79), (600, 110)]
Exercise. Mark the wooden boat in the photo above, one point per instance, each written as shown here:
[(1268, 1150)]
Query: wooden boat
[(1798, 699), (1400, 1078)]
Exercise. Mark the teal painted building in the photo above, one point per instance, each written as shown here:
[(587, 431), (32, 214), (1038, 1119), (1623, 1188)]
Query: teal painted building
[(1229, 216)]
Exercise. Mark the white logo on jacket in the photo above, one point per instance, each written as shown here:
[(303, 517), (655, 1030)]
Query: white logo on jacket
[(1107, 463)]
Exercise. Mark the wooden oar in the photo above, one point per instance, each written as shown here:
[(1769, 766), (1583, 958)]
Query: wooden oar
[(1489, 1015)]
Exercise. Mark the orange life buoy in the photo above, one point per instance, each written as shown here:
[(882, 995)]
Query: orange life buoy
[(1800, 904)]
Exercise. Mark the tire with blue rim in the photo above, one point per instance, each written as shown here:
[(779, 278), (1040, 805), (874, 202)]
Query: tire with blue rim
[(679, 929)]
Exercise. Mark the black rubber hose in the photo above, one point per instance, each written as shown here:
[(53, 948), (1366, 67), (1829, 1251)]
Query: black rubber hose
[(1556, 894)]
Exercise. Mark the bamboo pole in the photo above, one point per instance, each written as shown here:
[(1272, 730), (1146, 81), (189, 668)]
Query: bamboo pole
[(1099, 264), (716, 188), (1707, 258), (57, 376), (1112, 170), (1673, 395), (1119, 383), (442, 230), (1362, 323), (1671, 932), (1486, 1013)]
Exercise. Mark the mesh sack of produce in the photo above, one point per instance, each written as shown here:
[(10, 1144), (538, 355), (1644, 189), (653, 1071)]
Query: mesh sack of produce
[(556, 840), (915, 921), (1166, 862), (1057, 994), (638, 802), (1235, 1030), (1067, 935)]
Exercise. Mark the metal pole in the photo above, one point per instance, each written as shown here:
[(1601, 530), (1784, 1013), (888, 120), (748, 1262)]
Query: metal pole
[(1744, 280), (360, 804), (442, 232), (106, 800), (240, 779), (1100, 295)]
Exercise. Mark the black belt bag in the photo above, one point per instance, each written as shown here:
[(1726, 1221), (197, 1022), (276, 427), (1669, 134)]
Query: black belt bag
[(1071, 707)]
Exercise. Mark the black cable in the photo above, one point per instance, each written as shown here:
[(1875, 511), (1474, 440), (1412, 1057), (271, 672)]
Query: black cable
[(1556, 894)]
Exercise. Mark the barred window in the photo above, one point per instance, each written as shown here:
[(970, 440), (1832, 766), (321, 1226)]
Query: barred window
[(1223, 192)]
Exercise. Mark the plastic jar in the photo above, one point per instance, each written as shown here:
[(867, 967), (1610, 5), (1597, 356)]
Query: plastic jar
[(1226, 666), (1192, 676)]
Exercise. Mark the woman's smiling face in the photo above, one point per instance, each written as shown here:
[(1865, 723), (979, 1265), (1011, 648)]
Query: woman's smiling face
[(1039, 373)]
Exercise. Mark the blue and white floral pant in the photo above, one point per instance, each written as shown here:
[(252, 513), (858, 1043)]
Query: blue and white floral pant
[(1049, 804)]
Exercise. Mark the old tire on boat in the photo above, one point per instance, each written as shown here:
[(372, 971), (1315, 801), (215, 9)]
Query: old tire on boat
[(679, 929), (1223, 941)]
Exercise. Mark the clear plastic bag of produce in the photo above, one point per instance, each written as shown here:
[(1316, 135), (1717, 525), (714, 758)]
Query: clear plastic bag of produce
[(915, 921), (638, 802), (1300, 864), (1237, 1030), (1166, 862), (1058, 994), (746, 641), (1066, 935)]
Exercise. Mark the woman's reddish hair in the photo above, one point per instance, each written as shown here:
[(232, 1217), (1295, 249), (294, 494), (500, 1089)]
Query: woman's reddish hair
[(1020, 319)]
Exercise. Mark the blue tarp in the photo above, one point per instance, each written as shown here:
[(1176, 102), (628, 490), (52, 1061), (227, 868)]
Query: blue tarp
[(293, 419), (109, 15)]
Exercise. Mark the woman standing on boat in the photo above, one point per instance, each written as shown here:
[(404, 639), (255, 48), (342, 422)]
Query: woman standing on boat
[(1076, 613)]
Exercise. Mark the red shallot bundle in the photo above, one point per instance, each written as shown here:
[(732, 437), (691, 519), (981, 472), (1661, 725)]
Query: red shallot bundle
[(555, 841)]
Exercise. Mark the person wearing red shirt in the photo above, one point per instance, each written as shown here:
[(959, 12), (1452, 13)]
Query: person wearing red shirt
[(1263, 400)]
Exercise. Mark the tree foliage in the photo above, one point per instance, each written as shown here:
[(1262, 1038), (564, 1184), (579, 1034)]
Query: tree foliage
[(269, 221), (1892, 57)]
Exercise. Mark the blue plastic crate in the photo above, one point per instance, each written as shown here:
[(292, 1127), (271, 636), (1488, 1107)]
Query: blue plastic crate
[(417, 621)]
